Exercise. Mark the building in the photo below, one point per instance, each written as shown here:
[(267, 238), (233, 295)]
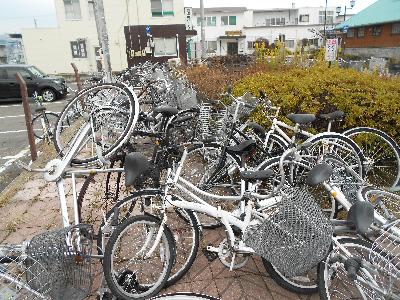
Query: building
[(233, 30), (11, 49), (374, 31), (75, 38)]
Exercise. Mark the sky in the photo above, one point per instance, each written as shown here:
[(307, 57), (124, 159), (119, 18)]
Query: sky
[(17, 14)]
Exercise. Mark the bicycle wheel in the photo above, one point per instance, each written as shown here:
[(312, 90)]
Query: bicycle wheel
[(182, 128), (386, 204), (335, 283), (203, 170), (49, 119), (382, 156), (113, 110), (127, 270), (182, 223)]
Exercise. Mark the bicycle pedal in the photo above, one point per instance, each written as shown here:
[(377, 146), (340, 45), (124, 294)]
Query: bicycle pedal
[(210, 255)]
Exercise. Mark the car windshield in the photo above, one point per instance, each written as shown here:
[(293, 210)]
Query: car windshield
[(35, 71)]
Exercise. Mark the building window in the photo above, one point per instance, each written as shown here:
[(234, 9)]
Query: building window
[(329, 17), (376, 30), (161, 8), (212, 46), (350, 33), (3, 74), (211, 21), (304, 18), (250, 45), (275, 22), (396, 28), (360, 32), (165, 47), (289, 43), (228, 20), (72, 9), (91, 10), (78, 49)]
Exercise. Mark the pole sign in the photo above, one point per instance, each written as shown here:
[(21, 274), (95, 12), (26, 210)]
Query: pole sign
[(345, 28), (188, 18), (331, 49)]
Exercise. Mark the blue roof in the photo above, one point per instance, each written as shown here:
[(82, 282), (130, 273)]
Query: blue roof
[(382, 11)]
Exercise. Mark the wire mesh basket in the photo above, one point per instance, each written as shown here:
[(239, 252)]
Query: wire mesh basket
[(65, 254), (251, 103), (385, 252), (18, 275), (213, 123), (296, 236)]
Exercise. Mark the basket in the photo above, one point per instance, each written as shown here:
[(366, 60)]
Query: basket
[(19, 273), (213, 124), (244, 110), (296, 236), (385, 253), (65, 255)]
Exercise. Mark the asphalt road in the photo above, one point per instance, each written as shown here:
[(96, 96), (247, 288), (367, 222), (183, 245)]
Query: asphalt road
[(14, 143)]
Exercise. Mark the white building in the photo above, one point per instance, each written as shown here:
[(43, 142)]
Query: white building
[(290, 24), (75, 39)]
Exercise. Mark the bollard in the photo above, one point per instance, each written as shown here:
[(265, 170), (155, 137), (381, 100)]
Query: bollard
[(77, 77), (28, 115)]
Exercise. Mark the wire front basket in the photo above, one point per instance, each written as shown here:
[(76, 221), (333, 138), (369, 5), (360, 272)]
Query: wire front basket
[(65, 255), (213, 123), (385, 252), (296, 236)]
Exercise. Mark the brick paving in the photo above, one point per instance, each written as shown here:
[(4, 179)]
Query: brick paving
[(35, 208)]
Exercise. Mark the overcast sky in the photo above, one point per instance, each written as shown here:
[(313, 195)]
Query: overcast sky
[(17, 14)]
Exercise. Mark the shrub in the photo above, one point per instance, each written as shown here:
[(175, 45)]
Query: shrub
[(367, 99)]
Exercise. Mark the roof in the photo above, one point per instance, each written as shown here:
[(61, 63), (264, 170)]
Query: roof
[(221, 9), (382, 11)]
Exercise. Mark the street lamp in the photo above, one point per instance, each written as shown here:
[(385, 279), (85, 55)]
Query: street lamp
[(339, 9)]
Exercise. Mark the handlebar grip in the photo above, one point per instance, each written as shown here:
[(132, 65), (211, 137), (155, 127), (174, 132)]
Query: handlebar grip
[(352, 265)]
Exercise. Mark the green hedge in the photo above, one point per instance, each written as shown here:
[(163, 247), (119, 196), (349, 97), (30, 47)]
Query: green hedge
[(367, 99)]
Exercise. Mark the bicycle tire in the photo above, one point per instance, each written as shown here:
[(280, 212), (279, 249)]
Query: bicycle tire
[(144, 290), (37, 124), (77, 108), (186, 251), (322, 270), (378, 148)]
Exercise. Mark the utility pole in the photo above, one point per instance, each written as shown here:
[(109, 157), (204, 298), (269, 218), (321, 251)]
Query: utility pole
[(203, 32), (103, 37)]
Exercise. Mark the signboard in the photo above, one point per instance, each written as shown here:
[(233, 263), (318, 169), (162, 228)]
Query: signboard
[(345, 28), (331, 49), (188, 18), (233, 33)]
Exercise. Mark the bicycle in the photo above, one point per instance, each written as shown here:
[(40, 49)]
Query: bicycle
[(236, 223), (43, 122)]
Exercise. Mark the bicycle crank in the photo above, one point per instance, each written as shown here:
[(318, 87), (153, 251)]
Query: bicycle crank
[(231, 258)]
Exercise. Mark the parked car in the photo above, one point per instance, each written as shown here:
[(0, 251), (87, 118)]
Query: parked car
[(49, 87)]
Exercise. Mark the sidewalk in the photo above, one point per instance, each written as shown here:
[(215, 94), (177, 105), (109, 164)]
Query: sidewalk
[(34, 208)]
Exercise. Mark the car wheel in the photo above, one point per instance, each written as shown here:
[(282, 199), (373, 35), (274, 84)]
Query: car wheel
[(48, 95)]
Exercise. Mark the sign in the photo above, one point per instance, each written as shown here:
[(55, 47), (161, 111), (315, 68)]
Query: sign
[(331, 49), (233, 33), (188, 18), (345, 28), (148, 30)]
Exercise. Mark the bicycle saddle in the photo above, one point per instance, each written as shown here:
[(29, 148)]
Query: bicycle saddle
[(301, 118), (40, 109), (135, 165), (336, 115), (257, 128), (319, 174), (166, 110), (256, 175), (241, 148), (361, 215)]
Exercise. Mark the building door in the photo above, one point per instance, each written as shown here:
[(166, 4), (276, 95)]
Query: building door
[(232, 48)]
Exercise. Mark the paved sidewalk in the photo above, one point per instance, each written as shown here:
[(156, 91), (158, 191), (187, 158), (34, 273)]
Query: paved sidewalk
[(34, 208)]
